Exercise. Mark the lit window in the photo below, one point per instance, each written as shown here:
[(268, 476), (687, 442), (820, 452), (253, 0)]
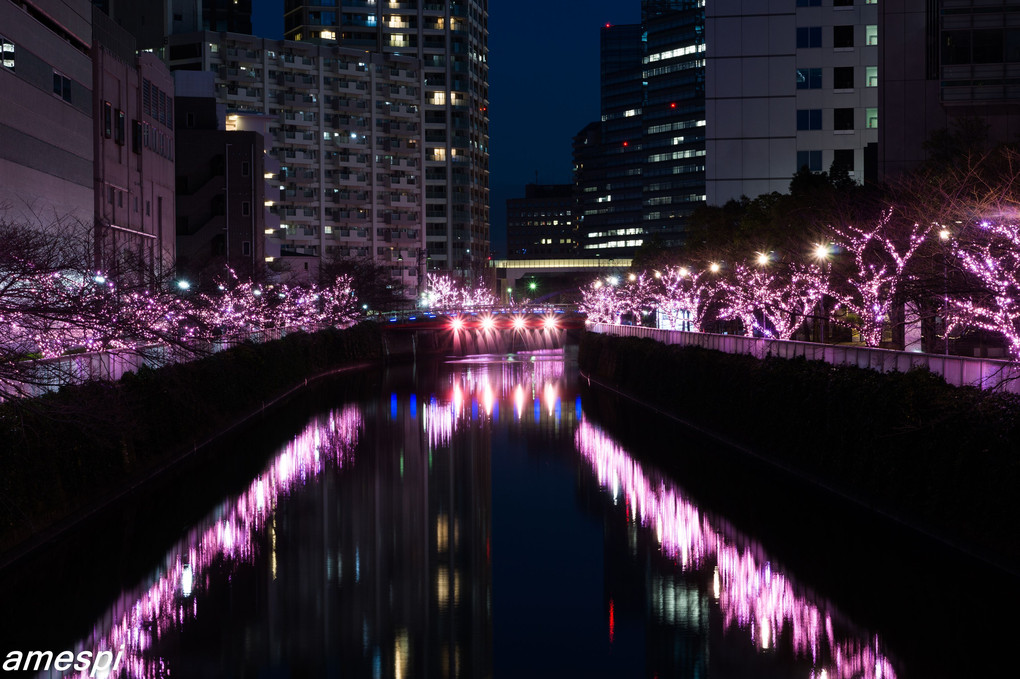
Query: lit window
[(871, 118), (871, 35), (327, 35), (871, 75), (7, 53)]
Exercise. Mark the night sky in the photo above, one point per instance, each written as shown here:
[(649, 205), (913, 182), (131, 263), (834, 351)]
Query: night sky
[(543, 86)]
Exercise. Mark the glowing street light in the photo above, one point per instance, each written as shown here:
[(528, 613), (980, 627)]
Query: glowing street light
[(944, 234), (714, 267), (822, 252), (183, 285), (488, 322), (763, 258)]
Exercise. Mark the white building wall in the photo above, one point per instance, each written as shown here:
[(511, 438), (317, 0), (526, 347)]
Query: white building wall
[(752, 98)]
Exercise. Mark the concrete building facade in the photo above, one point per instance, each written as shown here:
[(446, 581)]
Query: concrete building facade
[(789, 84), (46, 158), (345, 127), (945, 63), (133, 140)]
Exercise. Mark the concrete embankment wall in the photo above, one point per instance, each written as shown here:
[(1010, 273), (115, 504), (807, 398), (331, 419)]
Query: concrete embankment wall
[(944, 459), (65, 454)]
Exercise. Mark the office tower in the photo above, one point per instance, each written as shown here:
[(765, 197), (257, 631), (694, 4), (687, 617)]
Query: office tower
[(345, 126), (451, 40), (639, 172), (672, 117), (795, 84), (609, 184), (946, 65), (541, 224)]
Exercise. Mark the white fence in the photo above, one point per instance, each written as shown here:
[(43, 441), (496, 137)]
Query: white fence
[(52, 373), (956, 370)]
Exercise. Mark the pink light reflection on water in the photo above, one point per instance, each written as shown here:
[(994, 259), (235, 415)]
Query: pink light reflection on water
[(522, 382), (140, 617), (750, 593)]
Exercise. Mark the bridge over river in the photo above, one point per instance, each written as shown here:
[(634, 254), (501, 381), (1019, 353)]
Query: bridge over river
[(483, 331)]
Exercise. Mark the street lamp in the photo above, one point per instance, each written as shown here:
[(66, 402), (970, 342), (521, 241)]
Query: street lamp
[(821, 253), (944, 236), (714, 267)]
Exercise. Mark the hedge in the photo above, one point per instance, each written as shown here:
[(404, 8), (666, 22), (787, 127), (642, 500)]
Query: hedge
[(66, 451), (940, 457)]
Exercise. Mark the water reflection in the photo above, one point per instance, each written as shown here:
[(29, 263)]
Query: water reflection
[(365, 549), (749, 593), (133, 627)]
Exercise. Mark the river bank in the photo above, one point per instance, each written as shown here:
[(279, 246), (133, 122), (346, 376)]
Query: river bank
[(943, 459), (65, 455)]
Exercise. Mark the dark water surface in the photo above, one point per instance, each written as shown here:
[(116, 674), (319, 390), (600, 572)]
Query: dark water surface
[(493, 516)]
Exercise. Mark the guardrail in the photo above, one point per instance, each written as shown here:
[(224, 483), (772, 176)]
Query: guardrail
[(958, 371), (49, 374)]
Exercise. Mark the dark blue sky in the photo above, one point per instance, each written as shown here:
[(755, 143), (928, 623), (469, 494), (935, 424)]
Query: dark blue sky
[(543, 86)]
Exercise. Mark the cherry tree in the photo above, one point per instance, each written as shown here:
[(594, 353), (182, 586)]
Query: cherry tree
[(992, 257), (637, 296), (772, 298), (684, 295), (880, 255), (601, 302)]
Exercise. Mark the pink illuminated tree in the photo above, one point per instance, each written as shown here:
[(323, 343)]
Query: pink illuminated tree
[(684, 296), (772, 298), (880, 255), (637, 296), (601, 302), (990, 253)]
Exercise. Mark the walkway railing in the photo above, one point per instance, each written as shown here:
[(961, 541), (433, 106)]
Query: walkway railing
[(50, 374), (956, 370)]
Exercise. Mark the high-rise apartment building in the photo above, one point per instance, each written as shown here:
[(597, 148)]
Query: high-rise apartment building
[(451, 40), (151, 21), (346, 128), (792, 84)]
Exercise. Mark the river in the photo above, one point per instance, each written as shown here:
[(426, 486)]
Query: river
[(496, 516)]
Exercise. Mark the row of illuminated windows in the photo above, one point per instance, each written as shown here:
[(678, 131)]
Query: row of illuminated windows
[(678, 52), (842, 118), (672, 127), (842, 36), (835, 3), (615, 244), (675, 155), (842, 78), (616, 232)]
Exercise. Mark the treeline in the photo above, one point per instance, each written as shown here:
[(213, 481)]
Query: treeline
[(64, 451), (940, 457)]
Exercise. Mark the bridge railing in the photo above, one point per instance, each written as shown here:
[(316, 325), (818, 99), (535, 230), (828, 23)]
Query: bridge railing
[(959, 371)]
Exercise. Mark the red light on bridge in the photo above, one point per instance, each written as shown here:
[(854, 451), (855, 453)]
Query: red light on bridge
[(549, 323), (457, 323)]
